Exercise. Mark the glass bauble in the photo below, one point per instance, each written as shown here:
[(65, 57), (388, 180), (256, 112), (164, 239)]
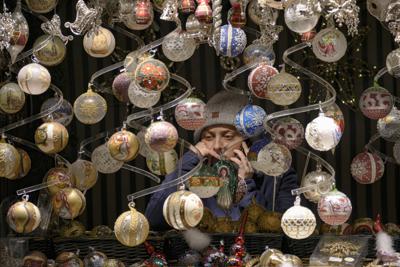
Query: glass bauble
[(99, 42), (389, 126), (142, 12), (273, 159), (323, 133), (24, 165), (141, 98), (255, 148), (161, 136), (94, 258), (20, 34), (334, 208), (367, 168), (90, 107), (69, 259), (249, 120), (232, 41), (193, 25), (298, 222), (288, 132), (69, 203), (324, 182), (162, 163), (12, 98), (272, 257), (144, 149), (35, 258), (123, 145), (120, 86), (23, 217), (176, 47), (131, 228), (333, 111), (152, 75), (104, 162), (9, 160), (259, 78), (205, 183), (376, 102), (300, 15), (113, 263), (187, 6), (62, 176), (84, 173), (131, 23), (396, 151), (203, 11), (64, 114), (183, 210), (256, 13), (283, 89), (256, 52), (34, 79), (133, 59), (51, 52), (41, 6), (51, 137), (190, 113), (393, 63), (329, 45)]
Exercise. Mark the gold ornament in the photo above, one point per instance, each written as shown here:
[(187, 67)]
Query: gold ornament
[(12, 98), (35, 258), (58, 174), (84, 173), (99, 42), (161, 163), (113, 263), (90, 107), (24, 165), (41, 6), (123, 145), (275, 258), (51, 137), (72, 229), (51, 52), (9, 160), (254, 211), (69, 259), (23, 216), (69, 203)]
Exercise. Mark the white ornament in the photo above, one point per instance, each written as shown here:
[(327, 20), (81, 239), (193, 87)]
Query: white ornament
[(323, 133), (298, 222), (104, 162), (273, 159)]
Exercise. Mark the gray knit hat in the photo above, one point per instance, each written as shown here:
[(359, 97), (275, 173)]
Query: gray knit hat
[(222, 109)]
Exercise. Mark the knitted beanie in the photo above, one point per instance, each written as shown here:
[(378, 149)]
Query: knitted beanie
[(222, 109)]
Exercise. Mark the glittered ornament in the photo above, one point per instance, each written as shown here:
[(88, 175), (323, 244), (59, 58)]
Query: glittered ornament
[(329, 45), (283, 89), (187, 6), (237, 15), (142, 12), (259, 78), (323, 181), (178, 47), (259, 52), (161, 136), (333, 111), (51, 52), (193, 25), (203, 11), (94, 258), (23, 217), (323, 133), (41, 6), (20, 34), (60, 175), (69, 203), (9, 159), (161, 163), (69, 259), (84, 173), (152, 75), (34, 79), (90, 107), (99, 42), (64, 114), (205, 183), (131, 22), (34, 258), (367, 168), (12, 98), (334, 208), (389, 126), (298, 222), (288, 132), (24, 165), (141, 98), (232, 41), (120, 86), (104, 162), (273, 159), (51, 137), (190, 113), (257, 14), (300, 16), (376, 102), (249, 120), (123, 145), (393, 63), (157, 259)]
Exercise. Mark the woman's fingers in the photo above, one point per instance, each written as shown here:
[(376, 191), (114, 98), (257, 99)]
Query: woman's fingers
[(246, 149)]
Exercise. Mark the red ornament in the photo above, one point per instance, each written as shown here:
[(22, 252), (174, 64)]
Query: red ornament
[(237, 16), (259, 78), (142, 12), (367, 168), (376, 102), (334, 208), (187, 6), (238, 251), (203, 11), (156, 259)]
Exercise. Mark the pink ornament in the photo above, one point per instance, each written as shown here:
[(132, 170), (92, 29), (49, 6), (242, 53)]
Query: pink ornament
[(120, 86), (288, 132), (190, 113), (161, 136), (203, 11), (376, 102), (334, 208), (367, 168), (259, 78)]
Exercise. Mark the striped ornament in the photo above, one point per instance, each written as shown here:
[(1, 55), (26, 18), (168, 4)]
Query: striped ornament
[(249, 120), (23, 217), (232, 41)]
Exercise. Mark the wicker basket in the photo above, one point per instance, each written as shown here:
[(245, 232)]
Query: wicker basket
[(43, 245), (302, 248)]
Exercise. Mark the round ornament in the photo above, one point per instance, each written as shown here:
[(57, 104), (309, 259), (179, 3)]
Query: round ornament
[(177, 47), (256, 52), (62, 176), (120, 86), (249, 120), (133, 59), (123, 145), (141, 98), (131, 23), (393, 63), (35, 258), (298, 222), (99, 42), (367, 168), (389, 126), (152, 75), (183, 210), (396, 151), (113, 263), (334, 112), (259, 78), (144, 149), (190, 113), (232, 41), (324, 183), (23, 217), (69, 203), (273, 159), (94, 258), (64, 114), (90, 107), (334, 208), (9, 160), (256, 13), (376, 102), (255, 149), (283, 89), (300, 16), (51, 52), (34, 79), (323, 133), (41, 6), (161, 136), (84, 173), (204, 183), (161, 163), (288, 132), (329, 45), (24, 165), (104, 162), (69, 259), (12, 98), (51, 137), (131, 228)]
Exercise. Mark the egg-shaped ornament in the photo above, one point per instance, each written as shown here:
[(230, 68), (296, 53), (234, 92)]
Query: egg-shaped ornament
[(301, 15), (131, 228), (12, 98), (51, 137), (249, 120), (183, 210), (41, 6), (23, 216), (141, 98), (35, 258), (69, 203), (367, 168), (298, 222), (259, 78), (205, 182), (84, 173), (273, 159), (322, 180), (323, 133), (90, 107), (120, 86), (203, 11), (376, 102), (161, 136), (162, 163), (123, 145), (131, 23), (69, 259), (232, 41), (389, 126), (9, 159), (141, 9), (94, 258), (99, 42), (396, 151), (256, 13), (333, 111), (64, 114), (24, 165), (20, 34), (34, 79), (62, 176), (334, 208), (283, 89), (259, 52), (104, 162), (178, 47), (152, 75), (329, 45), (190, 113), (49, 52), (288, 132), (393, 63)]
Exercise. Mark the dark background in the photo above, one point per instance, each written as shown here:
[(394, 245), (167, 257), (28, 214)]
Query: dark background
[(107, 199)]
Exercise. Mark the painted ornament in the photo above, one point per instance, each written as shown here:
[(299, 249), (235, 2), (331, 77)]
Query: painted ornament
[(203, 11), (99, 42), (20, 34), (396, 151), (120, 86), (249, 120), (9, 159), (161, 163), (152, 75), (367, 168), (300, 16), (288, 132), (393, 63), (334, 208), (62, 176), (187, 6), (94, 258), (133, 59), (69, 259), (204, 183), (190, 113), (177, 47), (131, 23), (376, 102), (389, 126), (51, 52), (259, 78), (142, 12), (273, 159), (51, 137), (334, 112), (12, 98), (41, 6), (283, 89), (141, 98), (123, 145), (161, 136), (298, 222), (24, 165), (232, 41), (329, 45), (64, 114), (256, 52), (237, 15), (23, 217), (84, 173), (90, 107), (323, 181), (34, 79), (69, 203), (104, 162), (323, 133)]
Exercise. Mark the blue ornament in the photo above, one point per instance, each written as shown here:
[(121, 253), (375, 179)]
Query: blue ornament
[(256, 147), (232, 41), (249, 120)]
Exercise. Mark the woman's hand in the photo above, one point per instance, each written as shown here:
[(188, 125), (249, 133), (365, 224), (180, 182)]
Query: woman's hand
[(245, 170), (205, 151)]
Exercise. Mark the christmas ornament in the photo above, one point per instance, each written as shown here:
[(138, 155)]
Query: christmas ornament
[(376, 102), (152, 75), (51, 52), (177, 47), (131, 228), (259, 52), (259, 78), (190, 258), (274, 257), (377, 8), (237, 15), (389, 126), (323, 180), (396, 151), (142, 12), (283, 89), (393, 63), (99, 42), (34, 79), (7, 28), (23, 216), (329, 45), (190, 113), (262, 15), (53, 28), (69, 259), (51, 137), (333, 111), (9, 159), (24, 165), (273, 159), (249, 120), (123, 145), (187, 6), (232, 41), (323, 133), (298, 222), (133, 59), (156, 258), (12, 98), (84, 173), (144, 149), (72, 229), (64, 114), (193, 25), (203, 11), (141, 98), (270, 221), (113, 263), (69, 203), (104, 162), (334, 208), (288, 132), (254, 211), (161, 136), (131, 22), (205, 183), (344, 13), (120, 86), (20, 33), (41, 6), (301, 15), (90, 107), (367, 168), (255, 148), (308, 36), (94, 258), (183, 210), (35, 258), (62, 176), (161, 163), (215, 257), (229, 183)]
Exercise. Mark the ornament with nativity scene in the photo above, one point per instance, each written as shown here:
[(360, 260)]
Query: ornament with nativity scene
[(161, 136), (84, 173), (249, 120), (104, 162), (61, 177), (12, 98), (68, 203), (389, 126), (178, 46), (288, 132), (376, 102), (64, 114), (123, 145), (321, 181), (334, 208), (302, 15), (190, 113), (23, 216), (120, 86), (162, 163), (49, 50), (51, 137), (367, 168), (90, 107), (283, 89), (24, 165), (205, 182), (94, 258), (34, 79), (259, 79)]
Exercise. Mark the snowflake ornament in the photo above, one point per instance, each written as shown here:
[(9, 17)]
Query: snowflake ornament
[(344, 12)]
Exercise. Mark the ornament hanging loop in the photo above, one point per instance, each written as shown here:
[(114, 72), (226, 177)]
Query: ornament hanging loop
[(131, 205), (25, 197)]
